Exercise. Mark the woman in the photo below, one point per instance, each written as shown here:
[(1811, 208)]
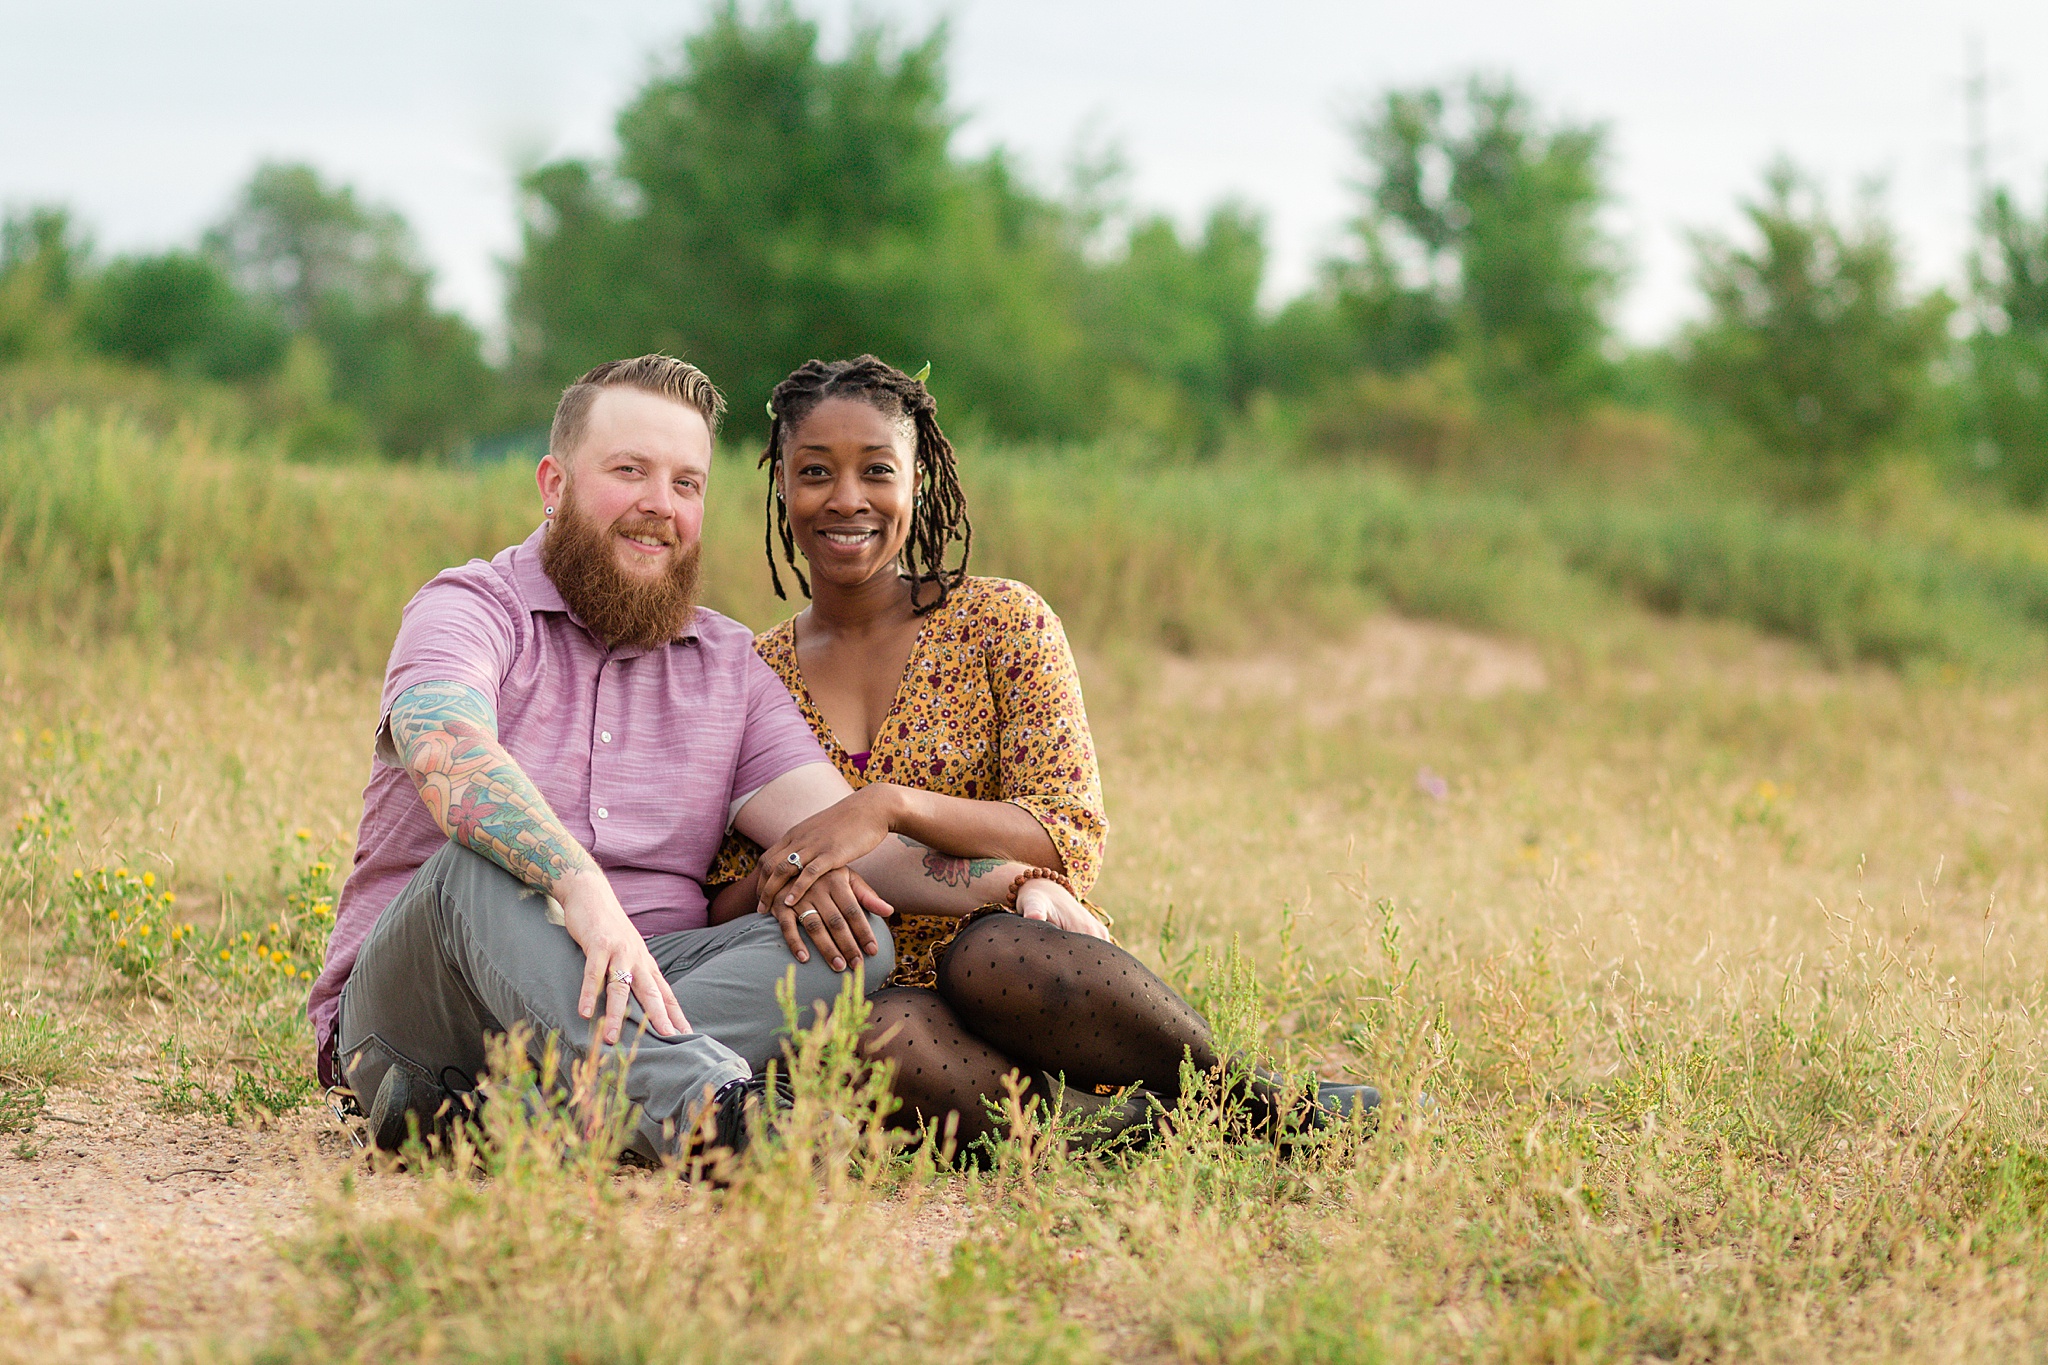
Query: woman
[(952, 706)]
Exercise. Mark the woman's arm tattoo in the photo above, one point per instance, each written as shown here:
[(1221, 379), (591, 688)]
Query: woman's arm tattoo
[(947, 870), (447, 736)]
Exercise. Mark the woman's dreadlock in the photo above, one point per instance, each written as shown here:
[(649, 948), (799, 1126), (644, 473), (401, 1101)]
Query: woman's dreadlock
[(940, 517)]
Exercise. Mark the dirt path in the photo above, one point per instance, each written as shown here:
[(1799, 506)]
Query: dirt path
[(117, 1197)]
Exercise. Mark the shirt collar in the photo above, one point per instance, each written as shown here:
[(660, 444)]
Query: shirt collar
[(540, 593)]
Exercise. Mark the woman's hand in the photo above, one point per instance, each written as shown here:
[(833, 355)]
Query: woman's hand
[(829, 840), (831, 912), (1057, 906)]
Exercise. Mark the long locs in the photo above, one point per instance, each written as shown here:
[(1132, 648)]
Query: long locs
[(940, 516)]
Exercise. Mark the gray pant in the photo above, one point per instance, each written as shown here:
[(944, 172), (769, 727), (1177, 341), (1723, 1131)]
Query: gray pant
[(466, 948)]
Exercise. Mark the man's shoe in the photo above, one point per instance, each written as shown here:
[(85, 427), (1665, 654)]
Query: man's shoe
[(736, 1102), (406, 1104)]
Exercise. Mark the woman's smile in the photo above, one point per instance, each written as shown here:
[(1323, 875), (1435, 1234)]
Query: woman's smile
[(850, 537)]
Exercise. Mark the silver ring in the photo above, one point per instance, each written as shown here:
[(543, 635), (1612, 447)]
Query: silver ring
[(621, 977), (796, 861), (807, 914)]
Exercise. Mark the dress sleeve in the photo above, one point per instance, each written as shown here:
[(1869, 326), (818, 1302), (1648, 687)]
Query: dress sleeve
[(1047, 755)]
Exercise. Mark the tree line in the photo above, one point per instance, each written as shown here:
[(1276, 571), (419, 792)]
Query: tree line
[(769, 203)]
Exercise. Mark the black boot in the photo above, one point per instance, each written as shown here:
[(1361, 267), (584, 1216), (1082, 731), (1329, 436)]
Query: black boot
[(1262, 1095), (737, 1101), (408, 1105), (1108, 1122)]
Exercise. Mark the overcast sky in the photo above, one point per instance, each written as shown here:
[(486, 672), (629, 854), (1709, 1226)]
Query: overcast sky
[(145, 116)]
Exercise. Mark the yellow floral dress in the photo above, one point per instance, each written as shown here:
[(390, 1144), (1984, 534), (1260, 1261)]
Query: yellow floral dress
[(989, 709)]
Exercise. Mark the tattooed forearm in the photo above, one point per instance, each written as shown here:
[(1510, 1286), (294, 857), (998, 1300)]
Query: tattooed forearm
[(447, 736), (947, 870)]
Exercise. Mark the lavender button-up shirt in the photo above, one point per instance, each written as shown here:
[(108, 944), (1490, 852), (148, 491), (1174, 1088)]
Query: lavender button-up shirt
[(640, 753)]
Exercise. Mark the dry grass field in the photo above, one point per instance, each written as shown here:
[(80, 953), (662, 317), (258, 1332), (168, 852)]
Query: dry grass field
[(1719, 968)]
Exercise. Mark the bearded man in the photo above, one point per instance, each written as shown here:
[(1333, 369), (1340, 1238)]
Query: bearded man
[(566, 737)]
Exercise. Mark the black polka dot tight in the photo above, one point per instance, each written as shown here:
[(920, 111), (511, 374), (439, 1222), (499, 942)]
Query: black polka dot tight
[(1070, 1005), (940, 1068), (1021, 995)]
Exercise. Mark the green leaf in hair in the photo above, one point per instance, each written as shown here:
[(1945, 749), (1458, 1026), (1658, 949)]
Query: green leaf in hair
[(924, 373), (771, 409)]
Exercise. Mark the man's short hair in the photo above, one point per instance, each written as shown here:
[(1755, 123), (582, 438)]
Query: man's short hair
[(658, 374)]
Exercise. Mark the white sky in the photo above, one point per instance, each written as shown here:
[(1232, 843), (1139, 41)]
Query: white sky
[(146, 116)]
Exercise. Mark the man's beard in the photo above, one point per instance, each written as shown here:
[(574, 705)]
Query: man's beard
[(581, 559)]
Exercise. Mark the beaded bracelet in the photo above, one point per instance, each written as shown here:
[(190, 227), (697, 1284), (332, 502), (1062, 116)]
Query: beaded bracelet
[(1038, 874)]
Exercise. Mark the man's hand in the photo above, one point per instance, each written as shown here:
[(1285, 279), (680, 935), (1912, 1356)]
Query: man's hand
[(831, 913), (831, 839), (1057, 906), (613, 948)]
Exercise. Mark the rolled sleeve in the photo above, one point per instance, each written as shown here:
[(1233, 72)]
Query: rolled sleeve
[(463, 627)]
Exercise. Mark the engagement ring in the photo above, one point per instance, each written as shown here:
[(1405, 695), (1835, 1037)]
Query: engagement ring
[(796, 861), (807, 914), (621, 977)]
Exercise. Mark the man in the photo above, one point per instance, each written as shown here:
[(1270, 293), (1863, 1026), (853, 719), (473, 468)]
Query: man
[(565, 738)]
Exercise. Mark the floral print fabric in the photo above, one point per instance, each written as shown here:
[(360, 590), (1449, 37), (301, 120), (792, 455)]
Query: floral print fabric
[(989, 709)]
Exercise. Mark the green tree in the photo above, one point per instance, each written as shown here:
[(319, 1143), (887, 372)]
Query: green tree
[(2009, 352), (180, 311), (768, 205), (1177, 325), (346, 276), (1480, 235), (41, 261), (1812, 345)]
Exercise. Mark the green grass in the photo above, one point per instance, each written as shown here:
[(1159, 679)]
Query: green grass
[(36, 1049), (108, 529)]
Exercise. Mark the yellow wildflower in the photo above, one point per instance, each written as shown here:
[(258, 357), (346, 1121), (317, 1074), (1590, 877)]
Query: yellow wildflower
[(170, 898), (143, 930), (149, 879), (121, 942), (225, 955), (303, 833)]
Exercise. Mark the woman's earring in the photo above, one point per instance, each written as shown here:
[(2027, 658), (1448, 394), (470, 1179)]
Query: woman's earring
[(551, 511)]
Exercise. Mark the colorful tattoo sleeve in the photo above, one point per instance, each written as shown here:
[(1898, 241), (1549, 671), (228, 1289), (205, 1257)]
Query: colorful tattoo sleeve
[(446, 734)]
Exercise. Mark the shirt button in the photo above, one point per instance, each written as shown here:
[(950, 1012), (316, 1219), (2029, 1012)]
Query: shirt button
[(605, 735), (603, 814)]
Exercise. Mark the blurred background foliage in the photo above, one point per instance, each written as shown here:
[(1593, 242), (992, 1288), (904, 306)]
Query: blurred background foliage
[(770, 201)]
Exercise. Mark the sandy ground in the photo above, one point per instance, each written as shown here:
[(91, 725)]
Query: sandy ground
[(117, 1196)]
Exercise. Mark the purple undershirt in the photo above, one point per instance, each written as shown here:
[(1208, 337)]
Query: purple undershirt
[(860, 762)]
